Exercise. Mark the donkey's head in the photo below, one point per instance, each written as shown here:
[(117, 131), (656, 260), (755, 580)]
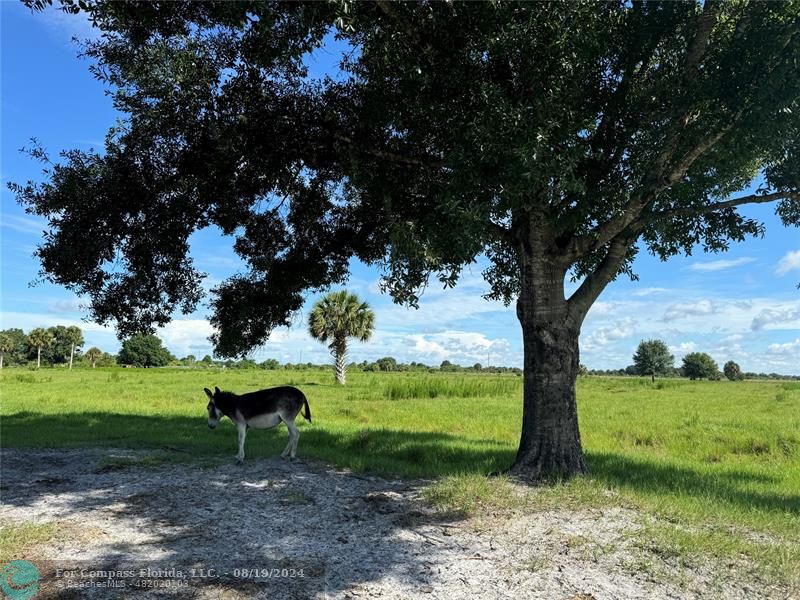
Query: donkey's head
[(214, 413)]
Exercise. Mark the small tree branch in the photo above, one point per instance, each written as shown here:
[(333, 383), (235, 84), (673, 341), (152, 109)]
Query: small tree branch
[(417, 161), (503, 232), (707, 208)]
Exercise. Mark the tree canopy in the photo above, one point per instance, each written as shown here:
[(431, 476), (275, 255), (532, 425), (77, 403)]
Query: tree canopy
[(699, 365), (733, 371), (653, 358), (144, 350), (446, 126)]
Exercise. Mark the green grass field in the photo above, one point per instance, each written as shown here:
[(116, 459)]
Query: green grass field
[(718, 461)]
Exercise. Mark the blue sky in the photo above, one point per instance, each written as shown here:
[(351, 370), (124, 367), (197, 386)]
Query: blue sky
[(742, 305)]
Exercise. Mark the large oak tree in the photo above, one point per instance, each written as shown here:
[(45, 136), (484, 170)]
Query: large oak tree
[(556, 139)]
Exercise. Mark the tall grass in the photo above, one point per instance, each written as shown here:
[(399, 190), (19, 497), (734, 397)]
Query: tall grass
[(455, 386)]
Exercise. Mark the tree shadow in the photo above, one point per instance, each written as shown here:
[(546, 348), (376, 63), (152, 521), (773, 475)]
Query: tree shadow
[(378, 450), (721, 484), (268, 528)]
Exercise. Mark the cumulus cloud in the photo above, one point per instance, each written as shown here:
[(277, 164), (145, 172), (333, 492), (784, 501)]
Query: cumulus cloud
[(789, 262), (186, 336), (720, 265), (772, 317), (458, 346), (66, 306), (789, 348), (683, 348), (700, 308), (608, 334)]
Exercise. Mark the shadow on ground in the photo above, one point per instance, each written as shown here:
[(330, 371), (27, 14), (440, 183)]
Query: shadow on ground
[(722, 484), (382, 451), (268, 528)]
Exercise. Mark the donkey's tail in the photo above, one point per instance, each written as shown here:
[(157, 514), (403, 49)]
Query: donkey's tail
[(306, 409)]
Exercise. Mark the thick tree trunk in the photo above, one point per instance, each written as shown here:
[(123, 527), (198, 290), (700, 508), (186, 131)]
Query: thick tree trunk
[(550, 445), (1, 359), (38, 357), (71, 354)]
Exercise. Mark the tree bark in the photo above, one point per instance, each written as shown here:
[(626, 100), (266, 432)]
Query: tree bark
[(2, 355), (38, 357), (550, 444), (71, 354), (339, 351)]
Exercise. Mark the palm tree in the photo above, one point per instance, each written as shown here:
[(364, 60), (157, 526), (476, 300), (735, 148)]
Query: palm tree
[(336, 317), (40, 338), (75, 338), (93, 355)]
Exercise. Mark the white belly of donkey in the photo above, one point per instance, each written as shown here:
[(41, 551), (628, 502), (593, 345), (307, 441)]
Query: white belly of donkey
[(264, 421)]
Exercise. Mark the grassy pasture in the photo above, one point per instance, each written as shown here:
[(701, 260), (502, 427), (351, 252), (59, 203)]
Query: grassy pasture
[(719, 461)]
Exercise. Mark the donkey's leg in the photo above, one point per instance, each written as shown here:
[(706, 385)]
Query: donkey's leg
[(294, 436), (289, 425), (242, 428)]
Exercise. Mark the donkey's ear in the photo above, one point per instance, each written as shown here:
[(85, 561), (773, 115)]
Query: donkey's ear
[(208, 392), (217, 390)]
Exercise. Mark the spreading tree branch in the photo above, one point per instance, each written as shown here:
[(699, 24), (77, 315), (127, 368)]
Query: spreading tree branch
[(585, 245), (699, 44), (582, 299), (714, 206)]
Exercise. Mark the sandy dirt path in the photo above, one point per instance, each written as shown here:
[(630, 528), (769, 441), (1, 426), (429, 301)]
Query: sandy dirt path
[(273, 529)]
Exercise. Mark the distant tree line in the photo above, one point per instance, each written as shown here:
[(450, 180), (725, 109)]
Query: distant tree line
[(62, 345), (652, 358), (58, 345), (385, 364)]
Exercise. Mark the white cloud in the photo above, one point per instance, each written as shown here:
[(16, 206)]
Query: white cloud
[(25, 224), (427, 347), (680, 310), (186, 336), (683, 348), (462, 347), (650, 291), (771, 318), (719, 265), (66, 306), (789, 262), (608, 334), (789, 348), (64, 26)]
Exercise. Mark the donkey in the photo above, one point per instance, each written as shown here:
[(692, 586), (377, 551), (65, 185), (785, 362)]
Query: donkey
[(263, 409)]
